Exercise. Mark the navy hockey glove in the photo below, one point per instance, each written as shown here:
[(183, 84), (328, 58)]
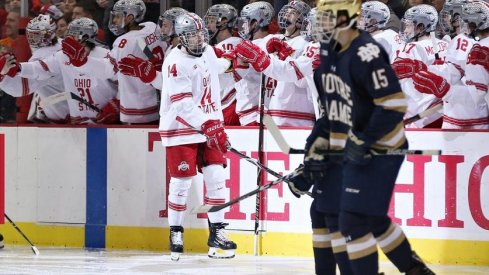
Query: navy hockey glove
[(315, 170), (298, 184), (357, 151)]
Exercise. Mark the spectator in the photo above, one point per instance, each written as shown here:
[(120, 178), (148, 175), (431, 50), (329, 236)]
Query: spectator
[(438, 4), (62, 26), (413, 3), (67, 6), (89, 9)]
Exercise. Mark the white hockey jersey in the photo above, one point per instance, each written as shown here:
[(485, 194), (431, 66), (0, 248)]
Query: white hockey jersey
[(291, 104), (43, 89), (93, 90), (138, 100), (417, 102), (390, 41), (190, 91), (226, 80)]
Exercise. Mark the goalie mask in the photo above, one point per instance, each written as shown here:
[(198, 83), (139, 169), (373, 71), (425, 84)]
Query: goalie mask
[(215, 16), (166, 21), (119, 21), (418, 21), (333, 17), (83, 29), (292, 15), (193, 35), (476, 16), (253, 17), (41, 31), (374, 16), (450, 21)]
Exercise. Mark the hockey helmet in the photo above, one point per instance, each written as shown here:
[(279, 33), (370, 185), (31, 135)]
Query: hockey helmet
[(476, 15), (450, 21), (216, 14), (191, 30), (306, 29), (83, 29), (121, 10), (328, 13), (166, 21), (253, 17), (293, 13), (375, 15), (418, 21), (41, 31)]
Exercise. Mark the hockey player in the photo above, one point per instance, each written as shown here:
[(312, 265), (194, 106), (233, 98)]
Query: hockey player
[(138, 101), (191, 100), (42, 39), (166, 21), (220, 20), (289, 104), (90, 90), (253, 24), (360, 84), (374, 18), (416, 26)]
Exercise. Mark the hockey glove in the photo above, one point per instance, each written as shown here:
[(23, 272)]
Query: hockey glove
[(109, 113), (216, 137), (298, 184), (479, 55), (429, 83), (251, 53), (137, 67), (357, 151), (318, 149), (315, 170), (8, 65), (276, 45), (76, 52), (316, 61), (406, 68)]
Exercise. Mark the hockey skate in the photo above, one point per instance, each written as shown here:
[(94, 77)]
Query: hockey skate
[(1, 241), (419, 267), (220, 247), (176, 242)]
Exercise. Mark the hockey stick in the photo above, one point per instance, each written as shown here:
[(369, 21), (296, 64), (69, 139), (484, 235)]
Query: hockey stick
[(54, 99), (435, 45), (285, 147), (261, 156), (214, 208), (279, 138), (33, 247), (142, 45), (82, 100), (423, 114)]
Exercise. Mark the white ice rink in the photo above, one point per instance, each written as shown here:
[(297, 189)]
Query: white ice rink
[(21, 260)]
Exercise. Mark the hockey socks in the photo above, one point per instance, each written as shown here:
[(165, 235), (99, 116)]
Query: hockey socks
[(340, 254), (396, 247), (324, 259)]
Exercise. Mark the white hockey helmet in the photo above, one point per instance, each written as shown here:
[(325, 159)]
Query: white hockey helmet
[(121, 10), (216, 14), (41, 31), (328, 11), (476, 15), (450, 21), (191, 30), (375, 15), (293, 13), (306, 30), (166, 21), (253, 17), (418, 21), (83, 29)]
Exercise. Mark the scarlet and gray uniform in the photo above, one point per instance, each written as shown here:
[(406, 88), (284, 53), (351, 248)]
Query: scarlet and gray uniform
[(138, 100), (390, 41), (96, 91), (423, 51), (42, 88)]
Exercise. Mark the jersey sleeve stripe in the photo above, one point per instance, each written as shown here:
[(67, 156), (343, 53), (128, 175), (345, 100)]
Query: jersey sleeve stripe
[(44, 65), (393, 139), (177, 97), (178, 132), (395, 102), (478, 86)]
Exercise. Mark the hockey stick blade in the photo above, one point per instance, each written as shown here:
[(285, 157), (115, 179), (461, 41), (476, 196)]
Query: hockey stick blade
[(54, 99), (142, 45), (33, 247), (279, 137), (423, 114), (214, 208)]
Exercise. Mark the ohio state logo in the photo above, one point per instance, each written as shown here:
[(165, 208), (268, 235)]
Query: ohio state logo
[(183, 166)]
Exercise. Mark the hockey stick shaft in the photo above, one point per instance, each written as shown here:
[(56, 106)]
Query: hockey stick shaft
[(85, 102), (259, 179), (423, 114), (215, 208), (33, 247)]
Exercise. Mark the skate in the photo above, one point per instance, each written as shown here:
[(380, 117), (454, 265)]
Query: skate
[(220, 247), (176, 242), (1, 241), (419, 267)]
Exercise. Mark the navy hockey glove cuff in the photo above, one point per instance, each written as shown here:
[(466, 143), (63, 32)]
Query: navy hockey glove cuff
[(357, 151), (298, 184), (315, 170)]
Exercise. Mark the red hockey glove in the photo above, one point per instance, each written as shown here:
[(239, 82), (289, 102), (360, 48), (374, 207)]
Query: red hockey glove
[(216, 137), (479, 55), (109, 113), (8, 65), (430, 83), (276, 45), (137, 67), (316, 61), (406, 68), (439, 61), (251, 53), (76, 52), (218, 51)]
